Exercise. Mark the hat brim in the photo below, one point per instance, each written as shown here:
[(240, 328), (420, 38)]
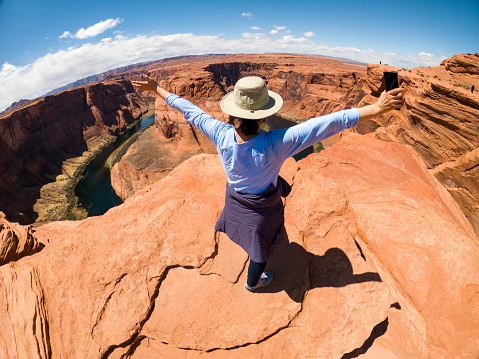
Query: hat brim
[(229, 107)]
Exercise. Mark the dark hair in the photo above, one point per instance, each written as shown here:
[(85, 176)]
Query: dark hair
[(247, 127)]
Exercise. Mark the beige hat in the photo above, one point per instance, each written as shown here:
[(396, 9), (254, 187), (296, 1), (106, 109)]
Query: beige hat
[(251, 99)]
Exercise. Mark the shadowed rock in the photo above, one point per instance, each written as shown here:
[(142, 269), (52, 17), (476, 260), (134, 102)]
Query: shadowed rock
[(49, 139)]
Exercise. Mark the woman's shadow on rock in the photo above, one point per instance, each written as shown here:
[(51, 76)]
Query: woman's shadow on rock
[(296, 270)]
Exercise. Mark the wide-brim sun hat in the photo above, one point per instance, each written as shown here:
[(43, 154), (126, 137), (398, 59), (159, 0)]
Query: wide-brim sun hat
[(251, 100)]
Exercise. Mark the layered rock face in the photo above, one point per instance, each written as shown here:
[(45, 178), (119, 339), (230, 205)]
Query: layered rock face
[(37, 140), (440, 121), (379, 261), (310, 86)]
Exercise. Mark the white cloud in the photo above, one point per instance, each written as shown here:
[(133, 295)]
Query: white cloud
[(66, 34), (426, 55), (279, 28), (8, 69), (273, 32), (292, 39), (255, 28), (254, 35), (94, 30), (58, 69), (248, 15), (309, 34)]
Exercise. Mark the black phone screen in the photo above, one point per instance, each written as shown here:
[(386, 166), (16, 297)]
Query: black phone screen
[(391, 80)]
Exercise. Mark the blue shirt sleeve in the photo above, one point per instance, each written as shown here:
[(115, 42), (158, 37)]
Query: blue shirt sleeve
[(289, 141), (211, 127)]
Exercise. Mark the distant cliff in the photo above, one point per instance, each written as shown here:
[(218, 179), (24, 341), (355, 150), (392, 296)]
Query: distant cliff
[(109, 75), (37, 140), (15, 106)]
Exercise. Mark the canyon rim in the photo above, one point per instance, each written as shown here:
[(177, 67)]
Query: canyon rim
[(382, 254)]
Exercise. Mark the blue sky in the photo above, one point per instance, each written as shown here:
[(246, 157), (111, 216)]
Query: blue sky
[(45, 44)]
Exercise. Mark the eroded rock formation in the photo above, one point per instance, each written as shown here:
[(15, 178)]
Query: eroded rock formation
[(37, 140), (463, 63), (379, 261)]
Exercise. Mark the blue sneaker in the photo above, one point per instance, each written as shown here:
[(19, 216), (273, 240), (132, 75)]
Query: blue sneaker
[(264, 280)]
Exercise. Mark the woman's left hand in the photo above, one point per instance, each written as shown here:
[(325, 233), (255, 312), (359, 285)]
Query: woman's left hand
[(387, 101), (390, 100)]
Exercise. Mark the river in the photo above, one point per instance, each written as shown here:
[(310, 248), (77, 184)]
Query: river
[(94, 190)]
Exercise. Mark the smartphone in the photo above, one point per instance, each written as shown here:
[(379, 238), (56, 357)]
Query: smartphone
[(391, 80)]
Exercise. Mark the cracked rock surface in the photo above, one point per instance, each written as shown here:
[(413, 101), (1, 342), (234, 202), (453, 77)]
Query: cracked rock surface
[(379, 262)]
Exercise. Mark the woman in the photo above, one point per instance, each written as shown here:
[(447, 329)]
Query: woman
[(253, 216)]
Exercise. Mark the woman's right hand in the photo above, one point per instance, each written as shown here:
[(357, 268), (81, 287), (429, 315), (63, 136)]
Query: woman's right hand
[(151, 85), (148, 85)]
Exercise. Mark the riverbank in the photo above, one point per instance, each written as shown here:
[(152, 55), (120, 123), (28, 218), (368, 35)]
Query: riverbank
[(57, 200), (123, 148)]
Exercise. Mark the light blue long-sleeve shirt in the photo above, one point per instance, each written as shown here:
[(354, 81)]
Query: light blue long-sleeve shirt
[(252, 166)]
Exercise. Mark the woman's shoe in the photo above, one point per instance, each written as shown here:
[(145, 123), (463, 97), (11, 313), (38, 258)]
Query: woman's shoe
[(264, 280)]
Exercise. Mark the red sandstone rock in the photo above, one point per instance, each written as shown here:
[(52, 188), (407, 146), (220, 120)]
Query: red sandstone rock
[(406, 227), (463, 63), (150, 159), (15, 106), (374, 241), (460, 179), (361, 212), (439, 119)]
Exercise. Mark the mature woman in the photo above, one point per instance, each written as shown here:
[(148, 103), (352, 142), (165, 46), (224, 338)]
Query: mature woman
[(253, 216)]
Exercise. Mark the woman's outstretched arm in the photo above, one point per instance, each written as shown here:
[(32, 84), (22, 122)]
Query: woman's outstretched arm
[(287, 142), (387, 101), (211, 127), (151, 85)]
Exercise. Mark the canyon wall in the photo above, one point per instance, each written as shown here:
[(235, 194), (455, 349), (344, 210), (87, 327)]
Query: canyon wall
[(37, 139)]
